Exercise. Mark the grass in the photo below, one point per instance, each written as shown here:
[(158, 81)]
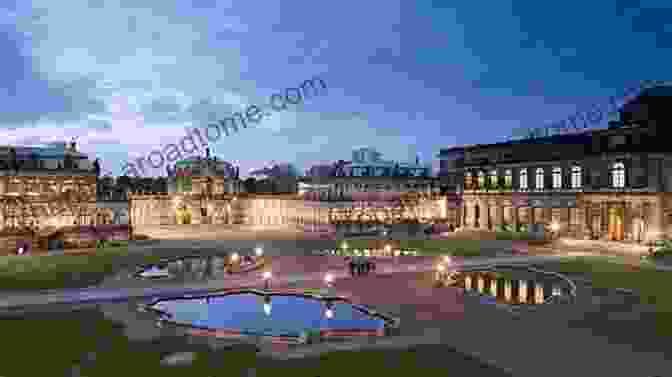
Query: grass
[(652, 286), (62, 271), (51, 346), (36, 347)]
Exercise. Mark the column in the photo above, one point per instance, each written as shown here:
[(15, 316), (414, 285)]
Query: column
[(484, 215), (500, 214)]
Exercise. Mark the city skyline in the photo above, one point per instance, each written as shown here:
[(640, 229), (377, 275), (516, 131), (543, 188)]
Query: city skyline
[(409, 84)]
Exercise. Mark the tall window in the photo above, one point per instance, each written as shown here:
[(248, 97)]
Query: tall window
[(468, 181), (557, 178), (508, 178), (523, 178), (539, 182), (493, 178), (576, 177), (618, 175), (481, 180)]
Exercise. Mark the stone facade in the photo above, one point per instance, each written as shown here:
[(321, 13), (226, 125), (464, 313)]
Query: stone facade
[(597, 185)]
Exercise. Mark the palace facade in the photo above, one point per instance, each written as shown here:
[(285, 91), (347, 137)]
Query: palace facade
[(46, 195), (608, 184)]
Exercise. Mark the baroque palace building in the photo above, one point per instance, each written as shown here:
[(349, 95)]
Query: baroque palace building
[(608, 184), (46, 193), (353, 197)]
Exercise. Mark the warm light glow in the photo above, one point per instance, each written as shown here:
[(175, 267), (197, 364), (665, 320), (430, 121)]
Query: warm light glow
[(329, 314), (235, 257), (441, 268), (388, 248), (328, 278), (555, 226), (344, 245), (259, 251), (267, 275), (447, 259)]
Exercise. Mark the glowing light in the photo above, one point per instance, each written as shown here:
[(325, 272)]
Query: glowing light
[(267, 275), (441, 268), (328, 278), (329, 314), (555, 226), (267, 309), (447, 259), (259, 251), (235, 257), (20, 250)]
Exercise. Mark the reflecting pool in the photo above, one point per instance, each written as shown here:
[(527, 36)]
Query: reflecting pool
[(257, 313)]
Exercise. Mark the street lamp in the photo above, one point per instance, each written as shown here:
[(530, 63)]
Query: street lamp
[(329, 312), (267, 305), (267, 279), (329, 279)]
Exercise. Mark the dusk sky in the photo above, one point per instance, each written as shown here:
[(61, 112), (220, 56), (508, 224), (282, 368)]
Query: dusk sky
[(405, 77)]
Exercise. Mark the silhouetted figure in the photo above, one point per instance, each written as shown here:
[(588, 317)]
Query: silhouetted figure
[(96, 167)]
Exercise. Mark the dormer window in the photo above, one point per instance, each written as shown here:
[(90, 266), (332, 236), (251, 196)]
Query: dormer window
[(618, 175)]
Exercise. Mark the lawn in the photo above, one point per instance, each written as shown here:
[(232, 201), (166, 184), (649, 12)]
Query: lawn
[(36, 348), (63, 271), (455, 247), (652, 286)]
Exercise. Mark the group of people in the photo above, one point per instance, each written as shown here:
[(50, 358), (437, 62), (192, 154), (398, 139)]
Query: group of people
[(360, 265)]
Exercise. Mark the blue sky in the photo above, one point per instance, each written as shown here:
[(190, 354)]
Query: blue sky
[(126, 77)]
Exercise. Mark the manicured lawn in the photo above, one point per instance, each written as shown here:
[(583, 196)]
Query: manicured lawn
[(462, 248), (51, 344), (61, 271), (653, 286)]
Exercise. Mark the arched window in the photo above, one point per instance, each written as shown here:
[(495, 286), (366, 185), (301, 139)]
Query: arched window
[(508, 178), (618, 175), (539, 181), (481, 179), (493, 178), (576, 177), (523, 178), (557, 178), (468, 180)]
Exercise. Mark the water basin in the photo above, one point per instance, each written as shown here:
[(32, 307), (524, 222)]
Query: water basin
[(277, 314), (194, 267), (513, 286)]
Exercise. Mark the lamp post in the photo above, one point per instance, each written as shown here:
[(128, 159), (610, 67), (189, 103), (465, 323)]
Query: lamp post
[(329, 281), (267, 279)]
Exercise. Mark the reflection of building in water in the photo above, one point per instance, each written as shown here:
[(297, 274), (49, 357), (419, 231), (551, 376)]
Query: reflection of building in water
[(514, 291)]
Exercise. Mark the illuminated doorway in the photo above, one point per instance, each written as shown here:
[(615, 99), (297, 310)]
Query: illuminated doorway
[(616, 226), (183, 215)]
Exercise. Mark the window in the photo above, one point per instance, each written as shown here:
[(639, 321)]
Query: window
[(468, 181), (493, 178), (508, 179), (481, 179), (557, 178), (618, 175), (523, 178), (539, 182), (576, 177)]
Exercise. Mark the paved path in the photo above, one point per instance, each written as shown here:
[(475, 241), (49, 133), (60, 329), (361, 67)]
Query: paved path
[(73, 296)]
